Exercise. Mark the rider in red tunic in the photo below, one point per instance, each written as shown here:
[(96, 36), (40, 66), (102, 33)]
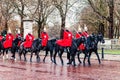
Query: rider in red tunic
[(8, 42), (67, 39), (28, 42), (44, 36), (79, 35)]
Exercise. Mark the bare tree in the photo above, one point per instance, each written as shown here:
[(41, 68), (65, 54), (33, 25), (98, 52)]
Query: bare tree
[(93, 20), (63, 6), (20, 6), (117, 19), (109, 18), (40, 10), (7, 9)]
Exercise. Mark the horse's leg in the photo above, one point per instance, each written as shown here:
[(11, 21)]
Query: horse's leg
[(85, 56), (6, 53), (68, 56), (25, 55), (38, 57), (89, 63), (3, 53), (31, 56), (97, 56), (78, 55), (51, 55), (20, 53), (13, 53), (46, 53), (74, 63), (54, 56), (60, 55)]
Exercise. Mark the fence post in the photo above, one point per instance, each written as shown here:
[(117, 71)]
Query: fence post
[(102, 53)]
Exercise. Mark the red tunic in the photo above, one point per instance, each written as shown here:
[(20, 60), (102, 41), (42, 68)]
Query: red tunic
[(8, 42), (78, 35), (44, 36), (1, 37), (17, 35), (85, 34), (29, 39), (81, 46), (67, 39)]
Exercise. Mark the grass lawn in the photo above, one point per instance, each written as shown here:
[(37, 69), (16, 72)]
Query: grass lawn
[(110, 51)]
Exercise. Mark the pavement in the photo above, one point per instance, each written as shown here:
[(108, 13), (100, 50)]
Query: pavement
[(108, 57), (114, 57)]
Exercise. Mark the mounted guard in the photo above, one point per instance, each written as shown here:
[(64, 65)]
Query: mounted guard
[(44, 36), (67, 39), (9, 40), (28, 40)]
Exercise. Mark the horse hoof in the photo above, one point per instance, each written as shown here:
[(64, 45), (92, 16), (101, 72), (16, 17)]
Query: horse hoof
[(3, 58), (30, 60), (69, 63), (54, 62), (43, 60), (12, 58), (38, 60), (25, 60), (15, 59), (74, 65)]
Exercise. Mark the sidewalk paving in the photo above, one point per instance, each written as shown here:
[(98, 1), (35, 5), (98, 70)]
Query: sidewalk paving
[(111, 57), (107, 57), (93, 56)]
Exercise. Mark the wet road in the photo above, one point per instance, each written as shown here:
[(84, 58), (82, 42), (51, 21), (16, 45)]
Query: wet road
[(20, 70)]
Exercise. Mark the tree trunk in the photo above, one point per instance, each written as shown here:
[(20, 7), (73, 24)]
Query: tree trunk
[(111, 9), (62, 26), (40, 28), (6, 25), (21, 28), (38, 31)]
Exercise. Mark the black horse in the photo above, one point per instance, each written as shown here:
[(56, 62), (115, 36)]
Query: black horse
[(37, 47), (50, 48), (23, 50), (71, 51), (15, 46), (93, 45), (4, 49), (84, 51)]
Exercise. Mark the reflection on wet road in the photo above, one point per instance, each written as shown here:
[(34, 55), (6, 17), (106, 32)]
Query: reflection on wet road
[(20, 70)]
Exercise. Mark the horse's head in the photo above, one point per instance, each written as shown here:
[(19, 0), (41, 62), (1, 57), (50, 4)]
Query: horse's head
[(100, 38), (92, 37), (80, 40)]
